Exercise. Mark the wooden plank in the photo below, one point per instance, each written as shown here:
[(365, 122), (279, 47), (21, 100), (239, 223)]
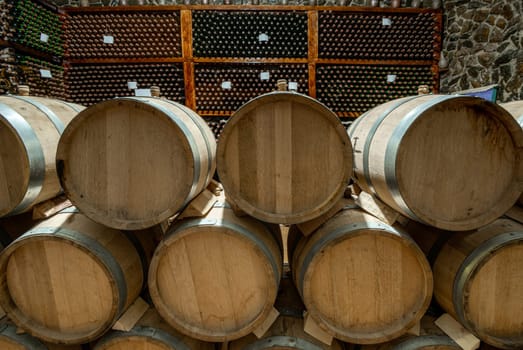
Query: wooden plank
[(374, 206), (264, 327), (50, 207), (312, 17), (457, 332), (167, 8), (249, 60), (126, 60), (199, 206), (188, 65), (215, 187), (375, 62), (312, 328), (129, 319)]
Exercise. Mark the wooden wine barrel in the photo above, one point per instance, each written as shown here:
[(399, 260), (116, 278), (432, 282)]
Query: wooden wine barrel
[(453, 162), (69, 279), (29, 131), (284, 158), (362, 281), (286, 333), (516, 109), (150, 333), (216, 278), (133, 162), (478, 279), (11, 340)]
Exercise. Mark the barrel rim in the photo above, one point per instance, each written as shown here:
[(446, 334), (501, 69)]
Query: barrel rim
[(33, 158), (45, 333), (422, 341), (305, 215), (9, 332), (151, 334), (99, 215), (196, 331), (359, 230), (468, 270)]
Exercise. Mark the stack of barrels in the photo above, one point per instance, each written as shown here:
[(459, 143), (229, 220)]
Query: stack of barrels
[(449, 165)]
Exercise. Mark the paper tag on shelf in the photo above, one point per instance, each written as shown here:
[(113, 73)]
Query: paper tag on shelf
[(226, 85), (263, 38), (108, 39), (45, 73), (391, 78), (293, 86), (386, 21), (132, 85), (44, 37), (142, 92), (265, 76)]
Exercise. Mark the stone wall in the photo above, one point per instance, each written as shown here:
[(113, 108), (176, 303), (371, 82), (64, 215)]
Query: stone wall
[(483, 45)]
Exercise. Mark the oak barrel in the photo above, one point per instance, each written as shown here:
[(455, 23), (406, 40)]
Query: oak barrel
[(68, 279), (286, 333), (453, 162), (216, 278), (478, 279), (362, 281), (516, 109), (133, 162), (150, 333), (29, 131), (284, 158)]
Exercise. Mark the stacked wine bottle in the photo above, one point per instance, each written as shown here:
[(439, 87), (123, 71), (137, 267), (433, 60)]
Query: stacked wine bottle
[(6, 21), (44, 78), (37, 27), (129, 35), (406, 36), (94, 83), (225, 87), (249, 34), (354, 89), (216, 124)]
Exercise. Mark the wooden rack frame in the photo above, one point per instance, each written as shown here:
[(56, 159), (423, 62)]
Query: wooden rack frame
[(312, 59)]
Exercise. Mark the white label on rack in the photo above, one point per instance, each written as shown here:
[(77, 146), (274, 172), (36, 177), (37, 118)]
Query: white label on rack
[(44, 37), (263, 38), (45, 73), (265, 76), (391, 78), (293, 86), (386, 21), (132, 85), (142, 92), (108, 39), (226, 85)]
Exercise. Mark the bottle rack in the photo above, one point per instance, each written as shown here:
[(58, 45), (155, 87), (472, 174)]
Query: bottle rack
[(350, 58), (222, 88), (127, 35), (350, 90), (32, 48), (43, 78), (37, 27), (92, 83)]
